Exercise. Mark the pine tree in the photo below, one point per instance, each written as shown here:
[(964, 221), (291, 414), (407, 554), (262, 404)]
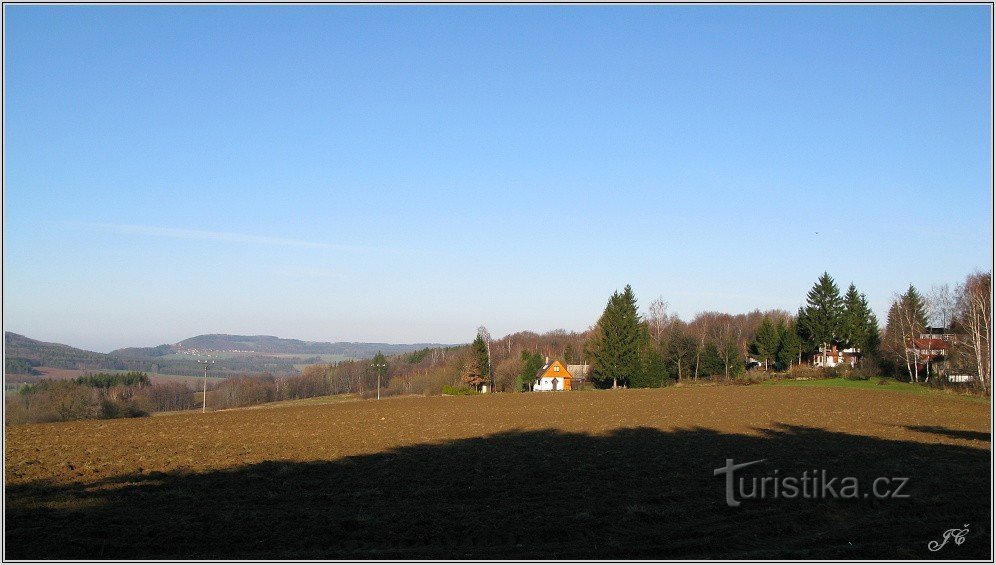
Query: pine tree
[(820, 321), (765, 344), (617, 344)]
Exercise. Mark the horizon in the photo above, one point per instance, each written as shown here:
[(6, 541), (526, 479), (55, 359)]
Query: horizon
[(405, 174)]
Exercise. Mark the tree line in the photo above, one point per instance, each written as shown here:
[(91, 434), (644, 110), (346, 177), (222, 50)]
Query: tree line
[(96, 395), (628, 349), (623, 348)]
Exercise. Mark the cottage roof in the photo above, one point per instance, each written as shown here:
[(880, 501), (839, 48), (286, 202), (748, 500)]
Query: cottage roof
[(549, 370)]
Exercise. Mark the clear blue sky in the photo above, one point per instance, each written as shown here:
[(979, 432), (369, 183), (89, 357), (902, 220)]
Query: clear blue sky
[(409, 173)]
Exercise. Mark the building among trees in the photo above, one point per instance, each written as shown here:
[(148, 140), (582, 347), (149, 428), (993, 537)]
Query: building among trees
[(553, 376)]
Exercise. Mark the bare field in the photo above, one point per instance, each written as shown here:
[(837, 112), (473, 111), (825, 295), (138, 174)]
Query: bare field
[(606, 474)]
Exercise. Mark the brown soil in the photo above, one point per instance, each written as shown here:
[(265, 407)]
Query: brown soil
[(605, 474)]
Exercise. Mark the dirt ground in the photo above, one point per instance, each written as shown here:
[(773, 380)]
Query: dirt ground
[(623, 474)]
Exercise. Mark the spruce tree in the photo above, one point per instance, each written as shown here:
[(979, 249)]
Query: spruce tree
[(476, 371), (617, 345), (860, 326), (789, 345), (531, 364), (710, 362), (765, 344), (915, 304), (872, 333), (820, 321)]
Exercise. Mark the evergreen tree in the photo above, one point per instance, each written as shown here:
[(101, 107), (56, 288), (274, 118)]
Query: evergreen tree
[(789, 345), (907, 319), (872, 333), (618, 342), (765, 344), (654, 371), (860, 326), (476, 371), (820, 321), (915, 304), (710, 361), (733, 361), (531, 364)]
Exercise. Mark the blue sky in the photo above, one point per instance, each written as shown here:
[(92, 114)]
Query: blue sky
[(407, 174)]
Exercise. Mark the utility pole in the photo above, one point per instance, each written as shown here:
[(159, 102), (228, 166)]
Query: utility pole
[(378, 367), (204, 399)]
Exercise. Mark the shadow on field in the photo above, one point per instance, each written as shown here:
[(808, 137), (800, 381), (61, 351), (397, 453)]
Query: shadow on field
[(957, 434), (634, 493)]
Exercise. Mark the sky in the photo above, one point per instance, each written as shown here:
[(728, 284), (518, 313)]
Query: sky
[(409, 173)]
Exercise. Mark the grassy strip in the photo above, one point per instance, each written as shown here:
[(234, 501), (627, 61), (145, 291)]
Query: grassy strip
[(890, 384)]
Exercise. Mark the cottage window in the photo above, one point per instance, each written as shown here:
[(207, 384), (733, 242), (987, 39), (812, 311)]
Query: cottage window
[(557, 368)]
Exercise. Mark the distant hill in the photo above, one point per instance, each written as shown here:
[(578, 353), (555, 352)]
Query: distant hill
[(21, 350), (233, 354), (276, 345), (144, 352)]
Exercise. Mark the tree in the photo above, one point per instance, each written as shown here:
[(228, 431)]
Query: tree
[(765, 344), (475, 371), (789, 345), (906, 321), (507, 373), (679, 348), (942, 306), (484, 353), (710, 361), (617, 342), (570, 356), (975, 322), (859, 326), (654, 370), (531, 364), (819, 321), (658, 318)]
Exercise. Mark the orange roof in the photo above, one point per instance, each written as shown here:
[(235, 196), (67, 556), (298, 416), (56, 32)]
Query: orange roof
[(554, 369)]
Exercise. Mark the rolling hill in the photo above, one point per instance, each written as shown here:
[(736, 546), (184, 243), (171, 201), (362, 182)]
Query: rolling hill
[(275, 345), (233, 354)]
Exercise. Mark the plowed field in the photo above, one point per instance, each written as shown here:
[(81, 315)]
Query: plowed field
[(606, 474)]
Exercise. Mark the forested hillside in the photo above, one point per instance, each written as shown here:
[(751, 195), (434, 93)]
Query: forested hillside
[(276, 345), (233, 355), (23, 351)]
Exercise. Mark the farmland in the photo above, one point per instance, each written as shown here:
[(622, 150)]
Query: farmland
[(600, 474)]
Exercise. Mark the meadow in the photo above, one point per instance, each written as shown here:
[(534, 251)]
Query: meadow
[(625, 474)]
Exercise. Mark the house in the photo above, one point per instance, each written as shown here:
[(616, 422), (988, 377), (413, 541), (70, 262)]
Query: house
[(830, 356), (961, 378), (932, 347), (553, 376), (579, 374), (932, 344)]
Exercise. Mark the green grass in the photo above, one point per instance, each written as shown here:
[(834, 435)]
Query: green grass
[(890, 384)]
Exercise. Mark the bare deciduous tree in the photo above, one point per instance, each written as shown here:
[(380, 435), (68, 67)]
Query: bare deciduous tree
[(658, 318), (974, 320)]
